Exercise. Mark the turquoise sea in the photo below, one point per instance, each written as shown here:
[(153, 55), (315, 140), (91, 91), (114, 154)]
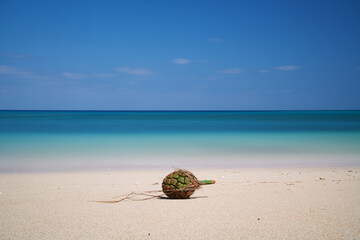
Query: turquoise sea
[(102, 140)]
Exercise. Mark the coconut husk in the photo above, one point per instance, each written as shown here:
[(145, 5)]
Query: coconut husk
[(180, 184)]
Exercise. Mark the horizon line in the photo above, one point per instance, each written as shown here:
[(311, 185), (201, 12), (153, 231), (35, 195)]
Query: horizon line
[(94, 110)]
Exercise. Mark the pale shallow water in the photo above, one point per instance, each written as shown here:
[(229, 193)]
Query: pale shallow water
[(59, 140)]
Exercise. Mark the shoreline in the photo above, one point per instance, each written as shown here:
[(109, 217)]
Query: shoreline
[(245, 203), (106, 170), (305, 160)]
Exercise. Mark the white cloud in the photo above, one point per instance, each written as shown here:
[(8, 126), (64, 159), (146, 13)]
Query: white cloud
[(12, 70), (103, 75), (73, 75), (80, 75), (181, 61), (232, 71), (287, 68), (134, 71), (263, 70), (214, 77), (14, 55), (19, 73), (215, 40)]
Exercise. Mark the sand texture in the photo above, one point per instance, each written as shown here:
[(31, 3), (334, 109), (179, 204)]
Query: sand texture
[(292, 203)]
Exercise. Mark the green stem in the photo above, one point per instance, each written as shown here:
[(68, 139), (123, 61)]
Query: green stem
[(204, 182)]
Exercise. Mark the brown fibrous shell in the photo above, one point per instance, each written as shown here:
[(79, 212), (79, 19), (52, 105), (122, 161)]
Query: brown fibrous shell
[(180, 184)]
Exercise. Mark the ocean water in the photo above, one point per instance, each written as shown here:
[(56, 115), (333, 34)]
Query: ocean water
[(98, 140)]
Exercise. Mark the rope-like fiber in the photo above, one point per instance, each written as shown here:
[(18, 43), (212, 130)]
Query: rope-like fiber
[(146, 195), (142, 196)]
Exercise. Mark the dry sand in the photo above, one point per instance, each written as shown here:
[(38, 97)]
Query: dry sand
[(292, 203)]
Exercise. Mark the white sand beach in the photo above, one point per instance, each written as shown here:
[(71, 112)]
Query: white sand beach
[(247, 203)]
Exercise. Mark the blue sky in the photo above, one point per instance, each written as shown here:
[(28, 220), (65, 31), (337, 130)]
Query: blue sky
[(180, 55)]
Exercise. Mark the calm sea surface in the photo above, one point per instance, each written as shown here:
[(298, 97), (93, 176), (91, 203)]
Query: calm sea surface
[(74, 140)]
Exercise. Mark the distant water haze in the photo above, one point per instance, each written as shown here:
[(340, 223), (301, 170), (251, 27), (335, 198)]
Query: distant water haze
[(81, 140)]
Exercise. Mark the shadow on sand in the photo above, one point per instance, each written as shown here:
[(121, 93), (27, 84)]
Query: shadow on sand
[(190, 198)]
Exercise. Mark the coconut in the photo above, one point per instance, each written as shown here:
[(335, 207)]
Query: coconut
[(181, 184)]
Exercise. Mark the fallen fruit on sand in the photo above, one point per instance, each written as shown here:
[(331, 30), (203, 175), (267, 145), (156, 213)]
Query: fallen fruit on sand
[(181, 184)]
